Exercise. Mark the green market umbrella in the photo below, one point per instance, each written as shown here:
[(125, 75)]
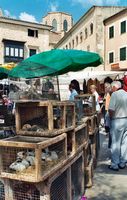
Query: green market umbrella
[(55, 62), (4, 73)]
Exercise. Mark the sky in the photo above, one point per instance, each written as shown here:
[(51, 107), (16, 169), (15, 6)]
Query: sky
[(34, 10)]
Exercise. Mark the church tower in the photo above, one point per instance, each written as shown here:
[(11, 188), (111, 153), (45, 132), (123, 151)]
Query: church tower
[(60, 21)]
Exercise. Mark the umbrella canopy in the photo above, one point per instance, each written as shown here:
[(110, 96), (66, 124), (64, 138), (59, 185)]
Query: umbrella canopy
[(55, 62), (4, 73)]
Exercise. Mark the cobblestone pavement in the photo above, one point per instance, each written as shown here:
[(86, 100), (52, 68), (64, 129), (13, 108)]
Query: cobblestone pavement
[(108, 185)]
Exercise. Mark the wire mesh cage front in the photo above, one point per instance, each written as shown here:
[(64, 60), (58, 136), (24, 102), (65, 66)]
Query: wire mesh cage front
[(70, 116), (33, 118), (89, 106), (2, 191), (77, 178), (91, 124), (81, 135), (79, 110), (44, 118), (22, 162), (59, 188), (22, 191)]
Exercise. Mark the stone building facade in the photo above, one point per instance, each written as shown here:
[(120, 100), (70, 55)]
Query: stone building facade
[(21, 39), (88, 33), (60, 21), (116, 41)]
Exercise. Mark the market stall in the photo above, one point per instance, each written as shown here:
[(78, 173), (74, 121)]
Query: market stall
[(52, 157)]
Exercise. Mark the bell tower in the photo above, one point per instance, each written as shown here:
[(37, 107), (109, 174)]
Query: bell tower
[(60, 21)]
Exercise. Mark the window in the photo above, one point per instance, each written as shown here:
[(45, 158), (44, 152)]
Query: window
[(91, 28), (76, 40), (33, 33), (111, 32), (123, 27), (86, 33), (32, 52), (65, 25), (13, 51), (81, 37), (54, 24), (69, 45), (123, 53), (111, 57), (73, 43)]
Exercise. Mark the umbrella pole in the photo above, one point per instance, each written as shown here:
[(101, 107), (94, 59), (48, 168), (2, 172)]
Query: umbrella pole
[(58, 88)]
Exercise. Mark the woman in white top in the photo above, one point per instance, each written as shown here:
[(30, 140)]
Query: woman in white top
[(94, 92)]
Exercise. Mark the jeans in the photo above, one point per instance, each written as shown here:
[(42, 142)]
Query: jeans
[(119, 141)]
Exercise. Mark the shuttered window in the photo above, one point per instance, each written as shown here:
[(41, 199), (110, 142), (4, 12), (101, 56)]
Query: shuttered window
[(123, 53), (111, 32), (123, 27), (111, 57)]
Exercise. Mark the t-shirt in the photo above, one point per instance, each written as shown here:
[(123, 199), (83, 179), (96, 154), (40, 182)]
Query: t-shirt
[(118, 103), (73, 94), (96, 99)]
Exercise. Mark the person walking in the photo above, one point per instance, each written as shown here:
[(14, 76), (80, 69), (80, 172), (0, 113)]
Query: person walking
[(106, 116), (73, 92), (93, 90), (118, 115)]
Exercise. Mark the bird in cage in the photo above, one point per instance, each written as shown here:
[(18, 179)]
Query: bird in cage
[(23, 161), (49, 156)]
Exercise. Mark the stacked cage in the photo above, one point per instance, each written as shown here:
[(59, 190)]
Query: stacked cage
[(91, 118), (46, 160)]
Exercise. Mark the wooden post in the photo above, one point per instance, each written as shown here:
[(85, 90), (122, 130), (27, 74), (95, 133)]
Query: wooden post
[(69, 188), (8, 190), (44, 189), (50, 117), (38, 164)]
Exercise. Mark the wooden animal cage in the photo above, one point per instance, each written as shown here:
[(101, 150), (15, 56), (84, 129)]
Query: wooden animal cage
[(92, 124), (78, 110), (2, 190), (89, 174), (95, 146), (65, 184), (87, 153), (31, 159), (89, 104), (45, 118), (81, 136)]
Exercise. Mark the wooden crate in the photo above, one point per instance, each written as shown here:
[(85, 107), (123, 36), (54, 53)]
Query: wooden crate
[(43, 155), (77, 138), (92, 124), (2, 190), (65, 184), (87, 153), (45, 118), (89, 104), (95, 146), (81, 136), (89, 174), (79, 113)]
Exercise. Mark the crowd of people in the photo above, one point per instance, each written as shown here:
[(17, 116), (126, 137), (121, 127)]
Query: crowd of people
[(114, 111)]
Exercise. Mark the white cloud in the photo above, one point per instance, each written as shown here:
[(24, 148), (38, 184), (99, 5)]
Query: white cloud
[(53, 6), (27, 17), (8, 14)]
